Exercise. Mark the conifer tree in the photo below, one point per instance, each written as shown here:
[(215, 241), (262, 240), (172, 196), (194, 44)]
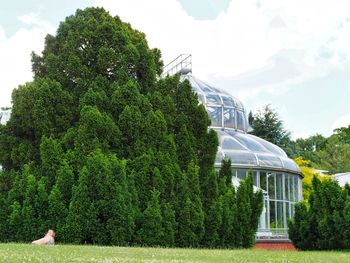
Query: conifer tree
[(57, 211), (65, 181), (41, 205), (3, 217), (51, 156), (226, 171), (120, 212), (298, 227), (169, 225), (213, 210), (197, 213), (185, 235), (227, 230), (322, 225), (77, 227), (14, 222), (152, 230), (243, 214), (30, 224)]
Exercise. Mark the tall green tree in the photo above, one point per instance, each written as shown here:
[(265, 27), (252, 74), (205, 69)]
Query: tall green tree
[(267, 124), (335, 156), (152, 231), (322, 225)]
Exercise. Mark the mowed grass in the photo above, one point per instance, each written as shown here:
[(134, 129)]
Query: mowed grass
[(68, 253)]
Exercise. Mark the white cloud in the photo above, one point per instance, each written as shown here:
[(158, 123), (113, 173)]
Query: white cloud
[(248, 41), (34, 19), (343, 121), (15, 50), (254, 48)]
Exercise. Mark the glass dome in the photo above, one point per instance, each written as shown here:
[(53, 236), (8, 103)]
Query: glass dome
[(224, 110), (229, 119), (274, 173)]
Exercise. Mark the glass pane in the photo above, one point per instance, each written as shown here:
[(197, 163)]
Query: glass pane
[(234, 173), (240, 120), (241, 174), (263, 180), (213, 99), (280, 215), (296, 188), (269, 160), (200, 97), (203, 86), (215, 115), (231, 144), (291, 210), (290, 164), (255, 178), (249, 142), (219, 157), (266, 213), (292, 190), (228, 101), (272, 214), (287, 210), (271, 185), (263, 216), (239, 104), (271, 147), (229, 117), (241, 157), (279, 186), (286, 187)]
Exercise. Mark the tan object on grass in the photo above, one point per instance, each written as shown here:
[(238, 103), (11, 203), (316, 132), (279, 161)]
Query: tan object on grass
[(48, 239)]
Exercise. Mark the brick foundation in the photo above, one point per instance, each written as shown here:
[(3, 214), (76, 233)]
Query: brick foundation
[(274, 245)]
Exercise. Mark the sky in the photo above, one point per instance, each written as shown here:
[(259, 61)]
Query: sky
[(291, 54)]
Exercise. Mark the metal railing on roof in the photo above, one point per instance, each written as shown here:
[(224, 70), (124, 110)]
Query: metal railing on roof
[(180, 65)]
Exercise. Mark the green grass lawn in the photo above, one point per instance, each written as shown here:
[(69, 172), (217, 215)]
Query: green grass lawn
[(67, 253)]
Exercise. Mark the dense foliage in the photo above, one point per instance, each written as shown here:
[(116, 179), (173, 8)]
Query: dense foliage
[(331, 154), (101, 150), (267, 124), (308, 174), (324, 224)]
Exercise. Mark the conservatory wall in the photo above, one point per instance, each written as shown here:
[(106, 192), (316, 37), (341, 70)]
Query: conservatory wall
[(281, 191)]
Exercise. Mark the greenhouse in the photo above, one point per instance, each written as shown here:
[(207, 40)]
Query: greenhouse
[(273, 172)]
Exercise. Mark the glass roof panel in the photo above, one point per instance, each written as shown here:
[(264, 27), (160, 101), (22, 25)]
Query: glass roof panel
[(215, 115), (239, 104), (241, 157), (229, 117), (240, 120), (250, 143), (219, 157), (269, 160), (228, 101), (201, 98), (231, 144), (204, 86), (213, 99), (290, 164), (269, 146)]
